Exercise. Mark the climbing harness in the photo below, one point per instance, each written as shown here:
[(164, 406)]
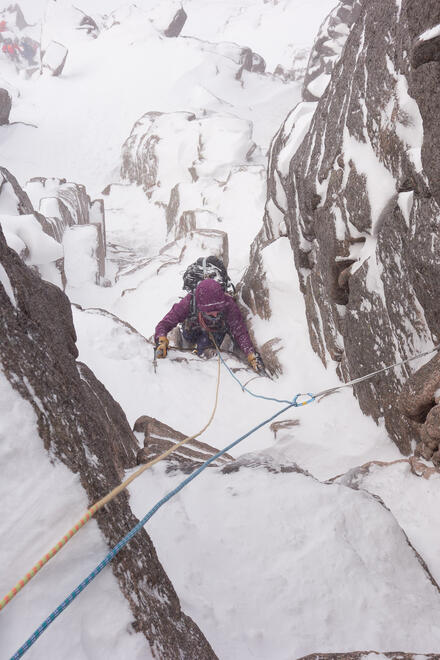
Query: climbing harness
[(102, 502), (107, 559)]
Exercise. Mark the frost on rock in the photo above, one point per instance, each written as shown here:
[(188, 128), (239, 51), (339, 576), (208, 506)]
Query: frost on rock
[(355, 186), (197, 172), (328, 47), (53, 58)]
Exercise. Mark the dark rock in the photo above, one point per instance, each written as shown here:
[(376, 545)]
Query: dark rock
[(328, 47), (176, 25), (258, 65), (371, 303), (158, 438), (5, 106), (419, 392), (425, 51), (433, 423), (83, 427), (424, 87)]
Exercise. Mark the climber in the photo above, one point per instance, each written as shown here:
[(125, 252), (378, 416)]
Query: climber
[(208, 310), (29, 49), (3, 26), (12, 49)]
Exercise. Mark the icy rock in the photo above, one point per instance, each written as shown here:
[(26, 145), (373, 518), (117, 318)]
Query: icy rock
[(5, 106), (13, 199), (65, 204), (298, 68), (368, 264), (54, 57), (164, 149), (328, 47), (158, 438), (84, 428)]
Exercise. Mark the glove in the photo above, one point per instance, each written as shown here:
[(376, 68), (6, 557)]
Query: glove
[(256, 362), (161, 347)]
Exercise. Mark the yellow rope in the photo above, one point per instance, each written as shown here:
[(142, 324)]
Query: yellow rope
[(102, 502)]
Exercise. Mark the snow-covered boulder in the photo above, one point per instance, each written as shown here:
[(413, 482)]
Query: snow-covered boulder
[(328, 47), (13, 199), (168, 148), (25, 235), (5, 106), (298, 67), (71, 444), (63, 205), (53, 58)]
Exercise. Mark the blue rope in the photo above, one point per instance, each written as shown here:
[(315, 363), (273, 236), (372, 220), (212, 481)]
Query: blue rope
[(33, 638), (293, 402)]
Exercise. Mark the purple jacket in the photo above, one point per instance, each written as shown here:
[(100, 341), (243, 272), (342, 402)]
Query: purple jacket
[(209, 295)]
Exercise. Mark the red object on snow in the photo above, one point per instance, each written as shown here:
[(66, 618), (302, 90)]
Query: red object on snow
[(3, 26)]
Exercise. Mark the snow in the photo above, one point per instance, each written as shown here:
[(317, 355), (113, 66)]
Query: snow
[(308, 566), (270, 565), (80, 264), (54, 56), (6, 283), (43, 499), (430, 34), (24, 232)]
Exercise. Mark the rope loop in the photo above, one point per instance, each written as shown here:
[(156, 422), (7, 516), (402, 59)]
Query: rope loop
[(297, 403)]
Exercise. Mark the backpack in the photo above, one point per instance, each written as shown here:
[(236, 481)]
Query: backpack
[(206, 267)]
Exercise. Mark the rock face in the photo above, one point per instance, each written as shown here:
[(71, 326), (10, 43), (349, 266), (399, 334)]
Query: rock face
[(82, 426), (177, 23), (63, 208), (328, 47), (419, 401), (5, 106), (354, 183), (158, 438)]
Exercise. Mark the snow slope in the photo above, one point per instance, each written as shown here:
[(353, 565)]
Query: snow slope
[(270, 565)]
